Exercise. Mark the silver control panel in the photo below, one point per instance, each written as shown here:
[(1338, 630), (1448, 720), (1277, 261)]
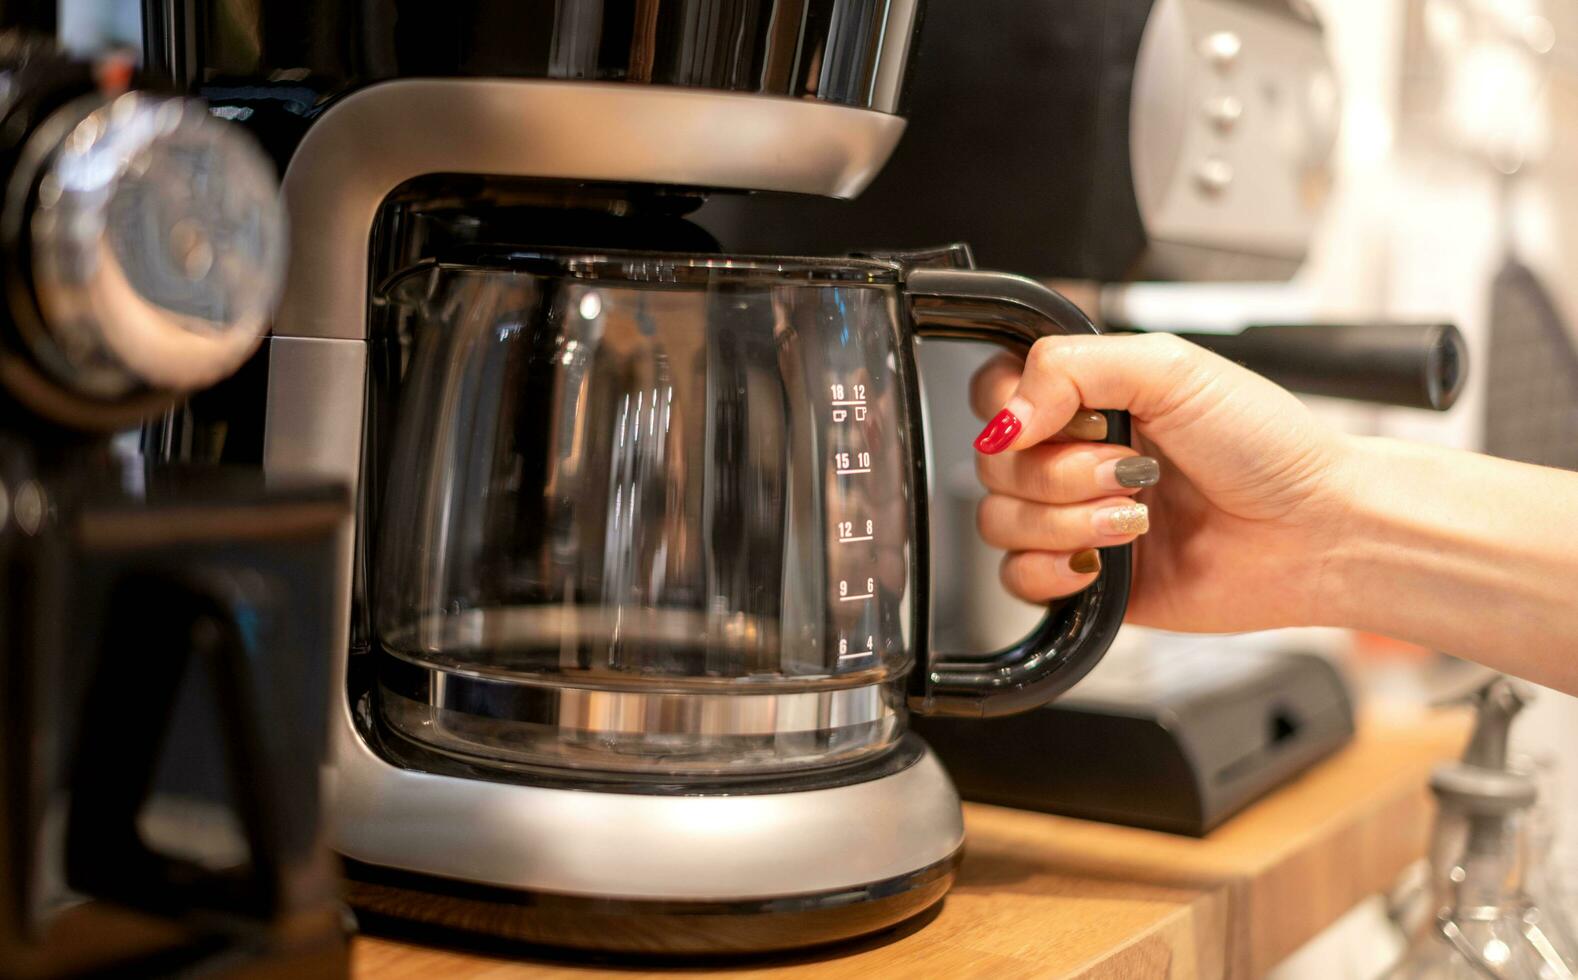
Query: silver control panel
[(1234, 115)]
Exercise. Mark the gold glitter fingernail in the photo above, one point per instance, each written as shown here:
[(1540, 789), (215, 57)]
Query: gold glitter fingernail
[(1087, 426), (1134, 518)]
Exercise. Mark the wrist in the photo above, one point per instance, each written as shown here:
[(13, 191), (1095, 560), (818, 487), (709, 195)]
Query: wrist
[(1363, 519), (1456, 551)]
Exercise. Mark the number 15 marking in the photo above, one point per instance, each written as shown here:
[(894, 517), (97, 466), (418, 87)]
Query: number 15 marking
[(847, 464)]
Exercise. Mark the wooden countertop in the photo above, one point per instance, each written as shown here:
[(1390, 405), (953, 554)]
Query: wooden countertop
[(1045, 896)]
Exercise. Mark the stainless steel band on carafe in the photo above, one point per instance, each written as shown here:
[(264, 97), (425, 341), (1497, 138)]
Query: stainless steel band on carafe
[(640, 579)]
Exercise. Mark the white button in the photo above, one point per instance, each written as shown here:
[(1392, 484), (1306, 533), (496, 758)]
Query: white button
[(1214, 175), (1224, 111), (1221, 49), (29, 507)]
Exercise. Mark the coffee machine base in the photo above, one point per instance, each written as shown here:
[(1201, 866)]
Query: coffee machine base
[(649, 873), (391, 900)]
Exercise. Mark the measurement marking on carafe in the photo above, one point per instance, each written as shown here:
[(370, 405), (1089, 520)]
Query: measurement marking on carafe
[(845, 464), (844, 596), (847, 529), (845, 653), (842, 402)]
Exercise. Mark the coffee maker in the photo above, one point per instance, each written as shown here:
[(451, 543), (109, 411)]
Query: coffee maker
[(638, 602)]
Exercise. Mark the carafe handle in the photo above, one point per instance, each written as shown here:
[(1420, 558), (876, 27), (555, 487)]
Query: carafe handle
[(1012, 312)]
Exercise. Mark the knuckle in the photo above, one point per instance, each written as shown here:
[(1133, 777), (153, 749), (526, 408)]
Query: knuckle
[(1049, 522), (1033, 576), (1173, 354), (1019, 576), (1181, 375), (982, 380), (1001, 365), (989, 470), (1047, 479), (988, 515), (1042, 354)]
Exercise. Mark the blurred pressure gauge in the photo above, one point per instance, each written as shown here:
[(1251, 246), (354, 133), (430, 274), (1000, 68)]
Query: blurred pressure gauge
[(157, 245)]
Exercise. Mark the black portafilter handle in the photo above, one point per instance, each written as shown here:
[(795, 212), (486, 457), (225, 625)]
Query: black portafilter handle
[(1413, 365)]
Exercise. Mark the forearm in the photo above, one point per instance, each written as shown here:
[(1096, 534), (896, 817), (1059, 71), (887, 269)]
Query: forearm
[(1467, 554)]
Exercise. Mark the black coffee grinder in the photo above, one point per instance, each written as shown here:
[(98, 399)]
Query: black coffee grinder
[(163, 632)]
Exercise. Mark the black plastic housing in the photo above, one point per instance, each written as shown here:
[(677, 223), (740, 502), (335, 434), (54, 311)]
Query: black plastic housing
[(1012, 312), (1178, 746), (1018, 142), (1410, 365)]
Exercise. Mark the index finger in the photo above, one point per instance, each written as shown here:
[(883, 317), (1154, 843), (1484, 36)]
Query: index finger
[(996, 381), (993, 383)]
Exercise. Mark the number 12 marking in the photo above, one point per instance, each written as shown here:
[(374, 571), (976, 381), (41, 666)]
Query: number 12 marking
[(847, 535)]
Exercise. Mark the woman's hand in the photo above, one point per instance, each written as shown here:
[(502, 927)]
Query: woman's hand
[(1263, 518), (1236, 534)]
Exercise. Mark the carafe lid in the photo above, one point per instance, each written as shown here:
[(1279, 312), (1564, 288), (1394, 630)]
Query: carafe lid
[(612, 266)]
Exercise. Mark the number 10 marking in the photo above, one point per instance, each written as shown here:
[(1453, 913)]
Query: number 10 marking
[(845, 464)]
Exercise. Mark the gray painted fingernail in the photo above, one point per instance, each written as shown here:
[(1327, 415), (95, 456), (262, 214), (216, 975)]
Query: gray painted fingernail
[(1137, 471)]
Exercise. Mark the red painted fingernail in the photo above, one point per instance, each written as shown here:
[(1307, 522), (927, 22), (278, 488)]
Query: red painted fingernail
[(999, 433)]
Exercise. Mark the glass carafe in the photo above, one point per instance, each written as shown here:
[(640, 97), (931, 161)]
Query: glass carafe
[(664, 515)]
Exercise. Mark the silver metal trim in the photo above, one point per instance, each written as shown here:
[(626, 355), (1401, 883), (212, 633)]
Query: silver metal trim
[(313, 420), (382, 136), (598, 711), (540, 720), (544, 685), (313, 426), (898, 41), (627, 846), (508, 642)]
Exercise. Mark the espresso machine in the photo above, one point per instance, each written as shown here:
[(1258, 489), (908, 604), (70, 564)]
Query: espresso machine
[(638, 602), (162, 629)]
